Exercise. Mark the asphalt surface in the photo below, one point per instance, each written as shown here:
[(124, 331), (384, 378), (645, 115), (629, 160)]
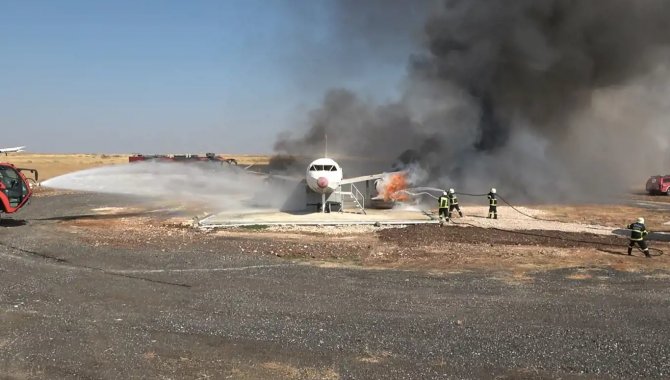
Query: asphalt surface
[(73, 308)]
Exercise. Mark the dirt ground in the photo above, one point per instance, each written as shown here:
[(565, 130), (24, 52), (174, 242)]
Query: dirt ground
[(105, 286), (415, 247), (612, 215), (514, 253)]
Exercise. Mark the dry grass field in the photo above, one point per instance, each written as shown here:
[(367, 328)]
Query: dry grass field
[(612, 215), (53, 165)]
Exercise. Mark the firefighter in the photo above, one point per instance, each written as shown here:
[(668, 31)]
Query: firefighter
[(453, 203), (443, 207), (493, 204), (637, 234)]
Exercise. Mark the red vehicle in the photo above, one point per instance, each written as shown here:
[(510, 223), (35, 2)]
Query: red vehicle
[(208, 157), (659, 184), (15, 187)]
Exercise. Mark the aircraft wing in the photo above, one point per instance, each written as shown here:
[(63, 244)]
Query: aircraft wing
[(274, 176), (364, 178), (12, 150)]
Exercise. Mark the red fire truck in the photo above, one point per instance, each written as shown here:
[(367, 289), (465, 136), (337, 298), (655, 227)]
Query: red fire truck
[(15, 188), (187, 158), (659, 184)]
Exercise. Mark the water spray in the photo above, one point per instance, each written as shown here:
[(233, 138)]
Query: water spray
[(221, 187), (418, 191)]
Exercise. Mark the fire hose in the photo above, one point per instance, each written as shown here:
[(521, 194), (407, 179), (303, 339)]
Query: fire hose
[(659, 251), (563, 238), (425, 191)]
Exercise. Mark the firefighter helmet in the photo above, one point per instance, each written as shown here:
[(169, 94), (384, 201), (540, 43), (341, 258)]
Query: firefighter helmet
[(451, 191), (493, 190), (640, 220)]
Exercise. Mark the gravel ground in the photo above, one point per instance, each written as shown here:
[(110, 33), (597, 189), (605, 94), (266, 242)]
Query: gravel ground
[(126, 295)]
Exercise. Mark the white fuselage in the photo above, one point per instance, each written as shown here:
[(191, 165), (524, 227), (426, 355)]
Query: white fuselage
[(324, 175), (12, 150)]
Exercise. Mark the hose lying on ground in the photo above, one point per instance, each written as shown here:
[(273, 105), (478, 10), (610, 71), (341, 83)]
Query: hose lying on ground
[(526, 233), (659, 251)]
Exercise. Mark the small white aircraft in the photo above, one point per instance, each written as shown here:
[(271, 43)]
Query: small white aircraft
[(12, 150), (324, 176)]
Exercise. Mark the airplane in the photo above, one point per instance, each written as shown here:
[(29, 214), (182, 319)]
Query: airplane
[(324, 181), (324, 177), (12, 150)]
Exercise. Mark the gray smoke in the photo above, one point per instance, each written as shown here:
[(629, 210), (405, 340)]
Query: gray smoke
[(544, 99)]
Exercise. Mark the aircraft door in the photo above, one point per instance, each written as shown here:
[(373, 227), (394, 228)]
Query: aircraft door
[(13, 189)]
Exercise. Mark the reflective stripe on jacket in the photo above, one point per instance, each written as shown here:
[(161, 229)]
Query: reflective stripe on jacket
[(443, 202), (453, 200), (492, 200), (638, 231)]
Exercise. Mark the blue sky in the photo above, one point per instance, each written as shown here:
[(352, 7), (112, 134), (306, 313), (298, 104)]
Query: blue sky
[(173, 76)]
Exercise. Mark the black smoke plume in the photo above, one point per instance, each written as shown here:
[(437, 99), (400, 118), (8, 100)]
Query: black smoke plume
[(544, 99)]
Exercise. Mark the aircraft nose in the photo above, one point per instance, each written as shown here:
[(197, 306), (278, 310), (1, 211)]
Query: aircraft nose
[(322, 182)]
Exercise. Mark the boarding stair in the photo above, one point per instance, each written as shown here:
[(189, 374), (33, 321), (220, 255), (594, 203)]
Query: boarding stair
[(352, 199)]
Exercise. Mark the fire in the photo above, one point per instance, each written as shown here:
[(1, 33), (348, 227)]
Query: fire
[(393, 186)]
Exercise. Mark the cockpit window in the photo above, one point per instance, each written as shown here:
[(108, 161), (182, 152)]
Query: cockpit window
[(323, 168)]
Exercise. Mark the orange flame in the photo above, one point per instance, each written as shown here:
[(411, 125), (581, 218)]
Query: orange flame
[(393, 186)]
